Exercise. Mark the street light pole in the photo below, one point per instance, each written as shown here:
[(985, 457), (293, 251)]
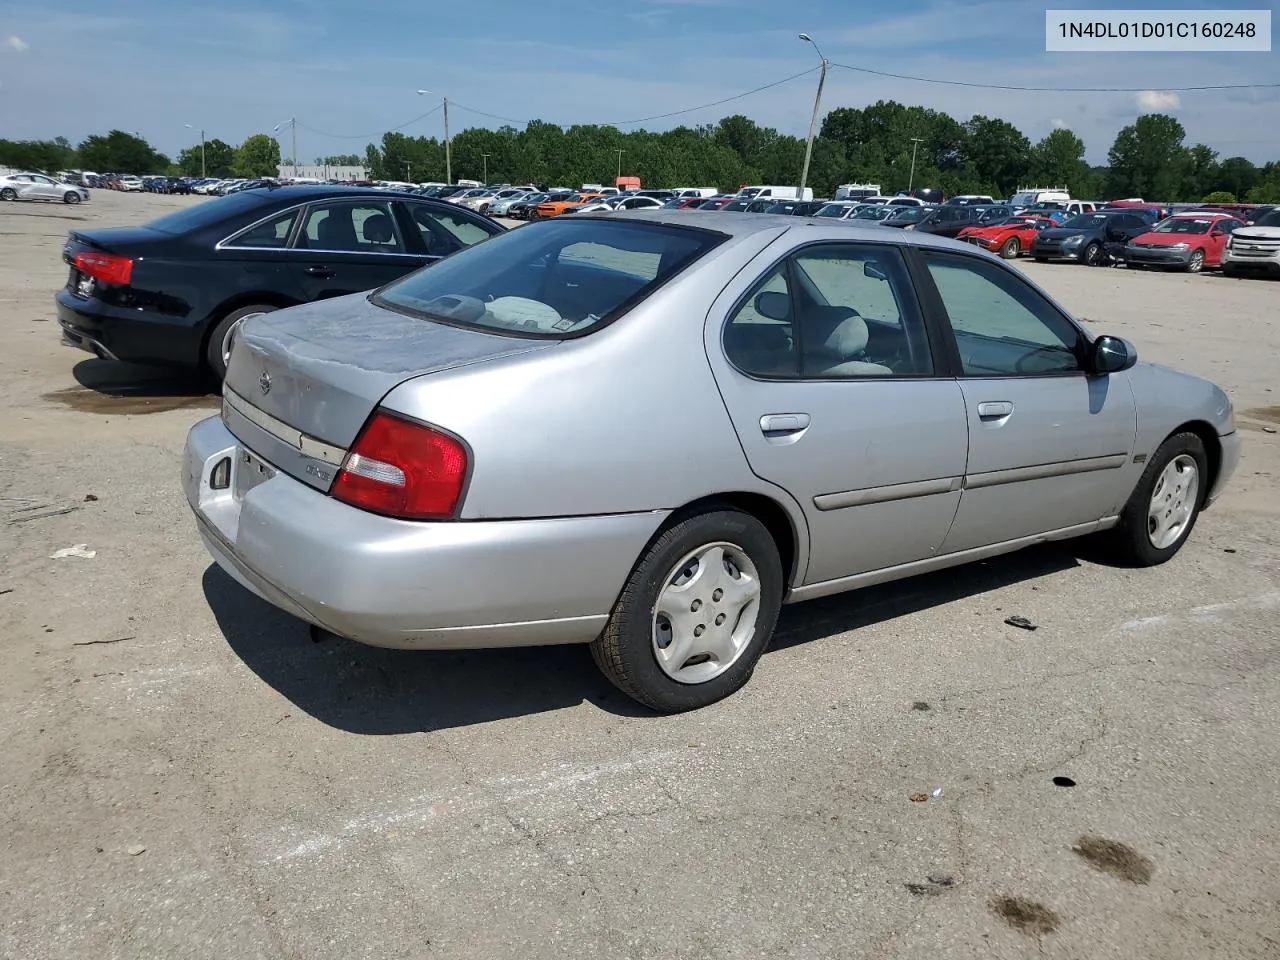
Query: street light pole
[(620, 153), (203, 171), (293, 126), (911, 178), (485, 157), (813, 122)]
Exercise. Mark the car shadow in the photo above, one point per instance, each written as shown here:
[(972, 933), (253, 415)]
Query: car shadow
[(116, 387), (372, 691)]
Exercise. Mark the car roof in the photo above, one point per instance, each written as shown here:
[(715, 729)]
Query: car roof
[(746, 224)]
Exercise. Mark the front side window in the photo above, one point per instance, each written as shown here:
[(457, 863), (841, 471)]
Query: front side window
[(1002, 326), (444, 232), (832, 311), (350, 227), (554, 279)]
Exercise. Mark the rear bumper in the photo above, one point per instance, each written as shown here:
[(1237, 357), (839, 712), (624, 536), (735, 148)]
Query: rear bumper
[(394, 583), (119, 333)]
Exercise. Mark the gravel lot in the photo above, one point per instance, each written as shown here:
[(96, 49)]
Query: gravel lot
[(188, 773)]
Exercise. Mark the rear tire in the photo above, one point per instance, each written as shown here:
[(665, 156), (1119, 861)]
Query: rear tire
[(8, 193), (219, 339), (707, 590), (1164, 506)]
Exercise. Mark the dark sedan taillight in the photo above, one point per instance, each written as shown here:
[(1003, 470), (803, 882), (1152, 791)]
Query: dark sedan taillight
[(107, 268)]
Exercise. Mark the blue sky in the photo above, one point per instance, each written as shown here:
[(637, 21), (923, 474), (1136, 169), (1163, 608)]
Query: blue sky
[(347, 68)]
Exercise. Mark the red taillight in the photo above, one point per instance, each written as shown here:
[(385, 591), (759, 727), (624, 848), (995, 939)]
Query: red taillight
[(402, 469), (106, 267)]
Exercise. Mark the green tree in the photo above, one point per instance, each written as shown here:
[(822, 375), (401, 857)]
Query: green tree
[(48, 156), (1147, 159), (120, 152), (998, 153), (1200, 171), (219, 159), (1220, 196), (1058, 160), (1236, 175), (258, 156), (341, 160)]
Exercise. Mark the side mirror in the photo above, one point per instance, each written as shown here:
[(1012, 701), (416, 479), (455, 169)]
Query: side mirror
[(774, 305), (869, 269), (1112, 355)]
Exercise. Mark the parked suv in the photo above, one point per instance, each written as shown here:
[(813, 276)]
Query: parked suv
[(1255, 248)]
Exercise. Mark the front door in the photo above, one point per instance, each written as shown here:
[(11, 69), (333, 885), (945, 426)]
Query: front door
[(349, 246), (829, 377), (1047, 441)]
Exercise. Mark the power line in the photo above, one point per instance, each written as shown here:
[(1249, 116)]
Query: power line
[(491, 116), (369, 136), (1002, 86), (714, 103)]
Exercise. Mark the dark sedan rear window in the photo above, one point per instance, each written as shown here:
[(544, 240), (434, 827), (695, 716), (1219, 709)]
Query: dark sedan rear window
[(556, 279), (209, 212)]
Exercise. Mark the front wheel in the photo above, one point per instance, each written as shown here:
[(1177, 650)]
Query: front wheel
[(1011, 248), (1091, 255), (218, 351), (695, 614), (71, 197), (1196, 263), (1164, 506)]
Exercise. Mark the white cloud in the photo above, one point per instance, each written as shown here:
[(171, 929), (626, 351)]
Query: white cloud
[(1153, 101), (1058, 123), (18, 44)]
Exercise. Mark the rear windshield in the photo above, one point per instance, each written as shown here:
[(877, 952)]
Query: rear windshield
[(1271, 219), (554, 279), (211, 211)]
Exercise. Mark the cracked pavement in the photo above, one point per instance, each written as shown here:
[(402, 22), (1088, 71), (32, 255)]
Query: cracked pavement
[(300, 797)]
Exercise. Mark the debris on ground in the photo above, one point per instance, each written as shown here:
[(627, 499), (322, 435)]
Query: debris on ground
[(135, 850), (1026, 916), (1228, 549), (6, 590), (1117, 859), (1063, 782), (1022, 623), (90, 498), (90, 643), (919, 797), (33, 513), (921, 705), (79, 550), (935, 885)]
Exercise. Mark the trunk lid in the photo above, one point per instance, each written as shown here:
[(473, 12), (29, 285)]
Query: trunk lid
[(321, 368), (122, 240)]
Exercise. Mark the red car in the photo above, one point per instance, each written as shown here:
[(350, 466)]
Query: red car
[(1008, 237), (1185, 241)]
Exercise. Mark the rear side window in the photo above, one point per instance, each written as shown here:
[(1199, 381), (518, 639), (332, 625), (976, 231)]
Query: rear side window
[(272, 234), (553, 279)]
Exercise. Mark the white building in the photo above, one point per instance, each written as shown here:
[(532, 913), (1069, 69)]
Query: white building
[(319, 171)]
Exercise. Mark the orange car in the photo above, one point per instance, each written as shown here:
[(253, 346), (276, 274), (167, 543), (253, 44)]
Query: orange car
[(553, 208), (1009, 237)]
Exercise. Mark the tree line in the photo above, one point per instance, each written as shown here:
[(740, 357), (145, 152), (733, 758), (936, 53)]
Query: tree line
[(873, 144)]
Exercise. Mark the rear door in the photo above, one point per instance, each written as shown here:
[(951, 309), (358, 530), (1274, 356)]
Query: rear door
[(433, 232), (1047, 441), (349, 246), (828, 375)]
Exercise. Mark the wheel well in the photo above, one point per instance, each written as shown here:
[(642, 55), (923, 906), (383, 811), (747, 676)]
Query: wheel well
[(765, 509), (235, 303), (1212, 448)]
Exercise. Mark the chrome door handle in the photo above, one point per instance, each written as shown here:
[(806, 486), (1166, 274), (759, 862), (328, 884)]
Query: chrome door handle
[(994, 409), (324, 273), (780, 423)]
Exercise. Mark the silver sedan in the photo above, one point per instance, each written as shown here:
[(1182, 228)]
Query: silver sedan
[(36, 186), (646, 432)]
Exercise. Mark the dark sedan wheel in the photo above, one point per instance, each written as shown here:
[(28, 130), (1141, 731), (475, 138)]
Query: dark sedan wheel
[(695, 614), (1091, 255), (1011, 248), (1164, 506), (1196, 263), (218, 350)]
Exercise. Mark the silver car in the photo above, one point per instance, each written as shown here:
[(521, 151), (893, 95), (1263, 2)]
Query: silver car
[(36, 186), (647, 431)]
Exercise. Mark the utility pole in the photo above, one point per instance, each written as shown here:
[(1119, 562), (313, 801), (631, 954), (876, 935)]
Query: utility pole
[(203, 169), (620, 153), (813, 122), (448, 152), (293, 124), (911, 178), (485, 157)]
